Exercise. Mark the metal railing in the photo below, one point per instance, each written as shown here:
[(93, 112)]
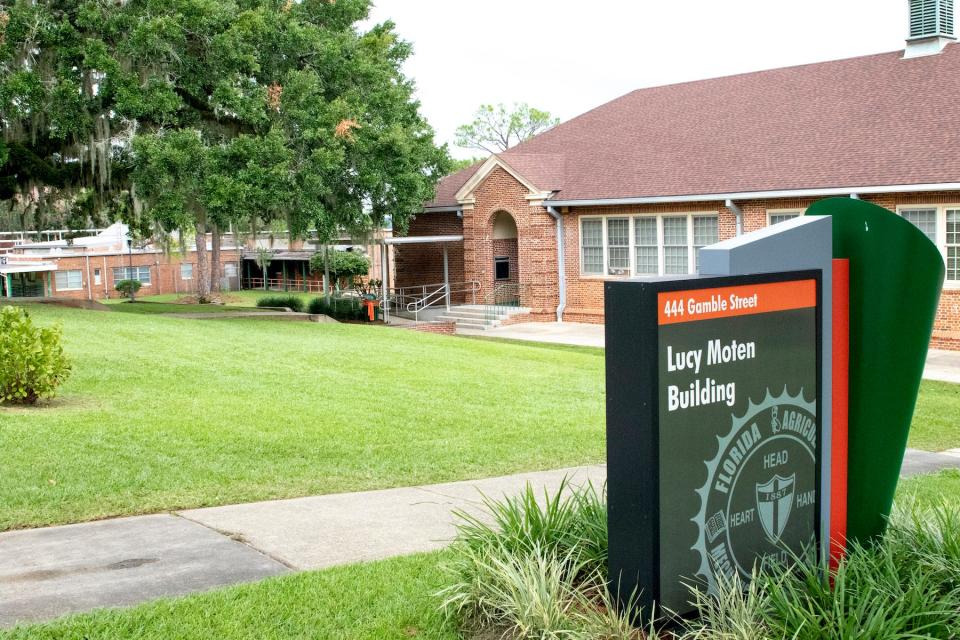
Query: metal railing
[(413, 300), (279, 284), (505, 297)]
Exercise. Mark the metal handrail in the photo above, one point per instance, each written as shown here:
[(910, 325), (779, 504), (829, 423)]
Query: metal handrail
[(505, 296), (417, 298)]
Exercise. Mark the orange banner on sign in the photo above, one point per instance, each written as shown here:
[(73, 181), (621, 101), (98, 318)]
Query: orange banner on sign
[(741, 300)]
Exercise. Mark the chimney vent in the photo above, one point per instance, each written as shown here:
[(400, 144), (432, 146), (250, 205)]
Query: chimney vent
[(931, 27)]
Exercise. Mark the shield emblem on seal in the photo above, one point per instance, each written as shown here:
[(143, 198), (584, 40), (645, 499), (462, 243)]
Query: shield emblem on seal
[(774, 502)]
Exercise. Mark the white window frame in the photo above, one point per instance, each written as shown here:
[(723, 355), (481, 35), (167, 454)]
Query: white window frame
[(941, 230), (186, 264), (126, 272), (799, 211), (65, 272), (632, 217)]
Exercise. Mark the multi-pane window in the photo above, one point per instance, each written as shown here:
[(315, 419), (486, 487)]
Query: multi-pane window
[(186, 271), (591, 242), (706, 230), (66, 280), (675, 245), (230, 269), (953, 244), (141, 274), (783, 216), (925, 220), (646, 247), (618, 246)]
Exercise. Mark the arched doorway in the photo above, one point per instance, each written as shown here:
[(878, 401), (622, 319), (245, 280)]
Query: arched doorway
[(506, 257)]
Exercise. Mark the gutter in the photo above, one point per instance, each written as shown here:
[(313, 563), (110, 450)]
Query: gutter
[(760, 195), (737, 211), (561, 269)]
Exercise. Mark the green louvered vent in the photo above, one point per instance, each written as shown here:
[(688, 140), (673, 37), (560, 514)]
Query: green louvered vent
[(931, 18)]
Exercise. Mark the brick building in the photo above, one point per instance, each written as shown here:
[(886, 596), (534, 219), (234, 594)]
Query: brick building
[(88, 268), (636, 186)]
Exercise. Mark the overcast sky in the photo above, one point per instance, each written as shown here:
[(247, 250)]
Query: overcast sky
[(568, 57)]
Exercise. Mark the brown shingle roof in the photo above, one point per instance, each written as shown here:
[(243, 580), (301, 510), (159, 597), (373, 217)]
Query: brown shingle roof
[(869, 121)]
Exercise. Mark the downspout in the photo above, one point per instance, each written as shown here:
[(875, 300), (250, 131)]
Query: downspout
[(561, 270), (737, 211), (89, 286)]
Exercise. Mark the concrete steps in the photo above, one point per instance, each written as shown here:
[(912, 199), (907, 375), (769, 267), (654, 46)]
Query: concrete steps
[(477, 317)]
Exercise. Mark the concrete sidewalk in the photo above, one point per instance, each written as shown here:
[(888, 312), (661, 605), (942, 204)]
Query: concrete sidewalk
[(45, 573), (941, 365)]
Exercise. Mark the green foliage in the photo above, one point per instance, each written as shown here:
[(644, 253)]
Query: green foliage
[(294, 303), (536, 569), (128, 288), (495, 128), (457, 165), (522, 568), (32, 362), (339, 307), (344, 266)]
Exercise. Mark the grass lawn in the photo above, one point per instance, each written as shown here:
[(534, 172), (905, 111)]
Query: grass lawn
[(936, 420), (391, 599), (164, 413)]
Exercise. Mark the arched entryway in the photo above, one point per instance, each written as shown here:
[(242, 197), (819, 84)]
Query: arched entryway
[(505, 250)]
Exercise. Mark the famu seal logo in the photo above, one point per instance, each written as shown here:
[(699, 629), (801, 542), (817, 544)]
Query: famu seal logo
[(760, 497)]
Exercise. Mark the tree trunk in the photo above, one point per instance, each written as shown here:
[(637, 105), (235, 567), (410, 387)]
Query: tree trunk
[(215, 260), (203, 266), (326, 271)]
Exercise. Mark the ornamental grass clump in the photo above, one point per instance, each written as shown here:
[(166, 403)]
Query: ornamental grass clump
[(32, 362), (536, 568)]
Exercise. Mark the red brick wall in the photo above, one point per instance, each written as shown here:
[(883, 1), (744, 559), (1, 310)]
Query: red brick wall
[(164, 273), (536, 242), (441, 328), (419, 264), (536, 246)]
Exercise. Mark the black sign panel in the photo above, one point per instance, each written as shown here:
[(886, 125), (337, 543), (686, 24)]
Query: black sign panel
[(712, 429)]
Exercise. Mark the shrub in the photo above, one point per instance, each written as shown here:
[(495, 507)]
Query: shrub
[(32, 362), (344, 266), (128, 288), (341, 308), (294, 303)]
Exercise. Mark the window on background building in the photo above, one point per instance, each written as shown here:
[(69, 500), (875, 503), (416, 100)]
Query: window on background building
[(782, 216), (186, 271), (141, 274), (953, 244), (644, 245), (706, 230), (646, 248), (675, 245), (942, 225), (618, 246), (230, 269), (97, 279), (591, 240), (67, 280), (924, 219)]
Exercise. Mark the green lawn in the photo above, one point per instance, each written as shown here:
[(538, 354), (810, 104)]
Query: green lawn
[(936, 420), (392, 599), (164, 413)]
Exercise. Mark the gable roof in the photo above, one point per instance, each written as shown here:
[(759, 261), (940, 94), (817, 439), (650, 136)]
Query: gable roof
[(869, 121)]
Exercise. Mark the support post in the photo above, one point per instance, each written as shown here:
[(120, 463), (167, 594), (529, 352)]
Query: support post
[(303, 271), (285, 275), (9, 279), (383, 282), (446, 275)]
